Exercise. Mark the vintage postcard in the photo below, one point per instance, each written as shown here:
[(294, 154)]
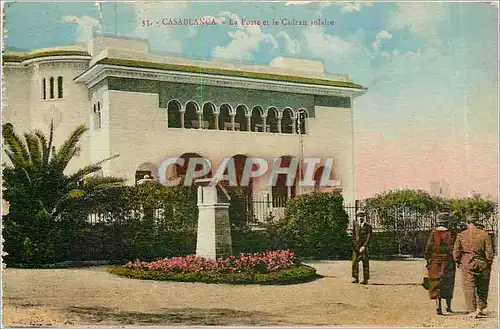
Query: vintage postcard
[(250, 164)]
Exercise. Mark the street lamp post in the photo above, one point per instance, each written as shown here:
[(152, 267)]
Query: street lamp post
[(301, 149)]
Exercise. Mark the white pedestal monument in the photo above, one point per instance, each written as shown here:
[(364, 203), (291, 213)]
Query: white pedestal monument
[(214, 230)]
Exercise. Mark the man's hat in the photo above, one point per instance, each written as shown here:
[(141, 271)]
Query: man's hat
[(361, 213)]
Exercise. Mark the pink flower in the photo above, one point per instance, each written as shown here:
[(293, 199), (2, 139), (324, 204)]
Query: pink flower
[(271, 261)]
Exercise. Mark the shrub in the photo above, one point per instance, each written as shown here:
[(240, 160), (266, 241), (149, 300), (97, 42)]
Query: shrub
[(480, 208), (299, 274), (389, 206), (40, 194), (251, 241), (144, 221), (239, 207), (408, 215), (314, 225)]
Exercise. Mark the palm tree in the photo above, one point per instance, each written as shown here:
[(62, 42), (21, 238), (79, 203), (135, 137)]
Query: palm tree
[(37, 170), (40, 193)]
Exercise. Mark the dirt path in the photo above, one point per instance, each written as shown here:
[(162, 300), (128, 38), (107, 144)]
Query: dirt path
[(92, 297)]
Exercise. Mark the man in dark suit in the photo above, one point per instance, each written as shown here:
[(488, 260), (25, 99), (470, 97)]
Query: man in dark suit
[(361, 237)]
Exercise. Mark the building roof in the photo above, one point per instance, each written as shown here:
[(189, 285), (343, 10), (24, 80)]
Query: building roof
[(227, 72), (21, 57), (158, 63)]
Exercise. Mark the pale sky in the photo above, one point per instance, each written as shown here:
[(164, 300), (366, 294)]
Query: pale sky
[(431, 112)]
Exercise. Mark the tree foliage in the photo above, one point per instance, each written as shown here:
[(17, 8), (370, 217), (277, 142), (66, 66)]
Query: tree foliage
[(390, 206), (314, 225), (483, 210), (406, 212), (39, 191)]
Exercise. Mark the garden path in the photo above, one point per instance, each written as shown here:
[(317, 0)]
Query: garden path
[(92, 297)]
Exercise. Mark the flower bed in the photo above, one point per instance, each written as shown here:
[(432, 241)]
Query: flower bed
[(274, 267)]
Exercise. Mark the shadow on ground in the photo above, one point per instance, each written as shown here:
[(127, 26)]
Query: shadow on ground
[(395, 284), (171, 316)]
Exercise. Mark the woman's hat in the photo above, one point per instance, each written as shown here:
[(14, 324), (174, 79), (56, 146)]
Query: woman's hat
[(443, 218)]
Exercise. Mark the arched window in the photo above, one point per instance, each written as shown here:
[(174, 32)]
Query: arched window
[(318, 174), (51, 88), (244, 190), (60, 87), (280, 191), (181, 171), (174, 114), (208, 116), (94, 116), (300, 123), (44, 89), (99, 117), (240, 119), (286, 122), (272, 120), (256, 119), (225, 122), (145, 169), (191, 119)]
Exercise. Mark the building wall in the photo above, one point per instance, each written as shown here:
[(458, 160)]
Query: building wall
[(217, 95), (16, 100), (98, 44), (134, 120), (138, 133), (27, 110), (99, 137)]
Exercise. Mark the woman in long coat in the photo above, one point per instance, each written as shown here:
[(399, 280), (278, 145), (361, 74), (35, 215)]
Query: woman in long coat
[(440, 264)]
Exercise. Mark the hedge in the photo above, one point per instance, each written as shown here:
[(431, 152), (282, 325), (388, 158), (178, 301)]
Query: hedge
[(315, 225), (62, 265), (299, 274)]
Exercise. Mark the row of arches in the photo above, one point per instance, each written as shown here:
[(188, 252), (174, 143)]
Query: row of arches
[(51, 93), (192, 116), (280, 190)]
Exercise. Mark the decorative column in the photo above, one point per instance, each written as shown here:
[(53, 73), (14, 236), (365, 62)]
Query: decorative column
[(232, 122), (216, 121), (264, 123), (200, 124), (294, 130), (182, 117), (249, 123), (279, 124), (214, 229)]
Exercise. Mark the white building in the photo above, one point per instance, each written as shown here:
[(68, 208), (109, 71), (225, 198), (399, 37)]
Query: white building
[(147, 107), (440, 189)]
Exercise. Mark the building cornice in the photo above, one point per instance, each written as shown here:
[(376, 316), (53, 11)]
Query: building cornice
[(60, 61), (46, 55), (101, 70)]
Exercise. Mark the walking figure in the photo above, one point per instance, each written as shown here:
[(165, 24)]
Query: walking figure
[(440, 264), (473, 253), (361, 237)]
